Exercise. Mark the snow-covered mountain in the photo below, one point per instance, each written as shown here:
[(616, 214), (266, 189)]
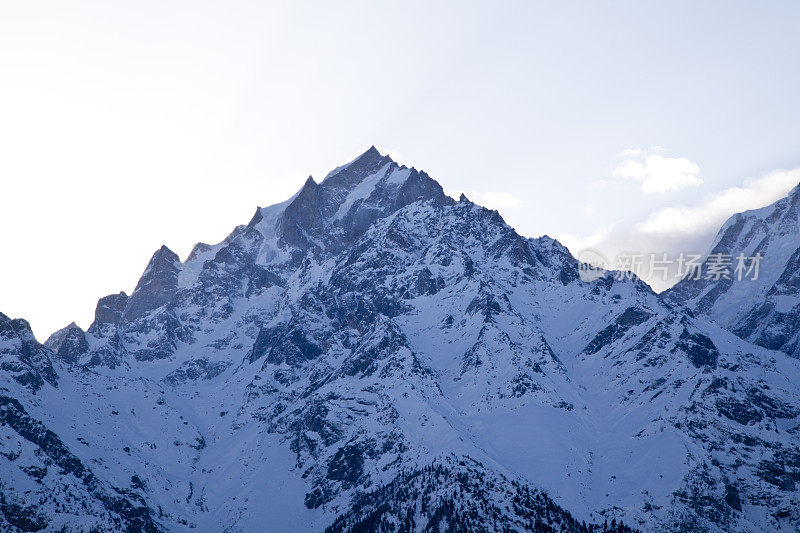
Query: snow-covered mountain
[(372, 355), (764, 310)]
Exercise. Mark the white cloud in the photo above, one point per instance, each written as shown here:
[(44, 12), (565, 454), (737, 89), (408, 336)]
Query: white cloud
[(631, 152), (715, 209), (490, 199), (394, 154), (677, 229), (589, 209), (657, 173), (498, 200), (597, 239)]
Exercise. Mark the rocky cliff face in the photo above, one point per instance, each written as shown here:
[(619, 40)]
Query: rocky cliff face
[(372, 354)]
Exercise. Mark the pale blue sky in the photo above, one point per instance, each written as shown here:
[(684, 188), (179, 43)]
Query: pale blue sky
[(129, 125)]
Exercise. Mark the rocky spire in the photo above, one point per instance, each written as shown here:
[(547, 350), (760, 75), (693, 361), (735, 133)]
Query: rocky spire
[(68, 343), (157, 285)]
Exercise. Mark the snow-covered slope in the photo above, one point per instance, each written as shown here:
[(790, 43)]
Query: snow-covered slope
[(765, 310), (373, 353)]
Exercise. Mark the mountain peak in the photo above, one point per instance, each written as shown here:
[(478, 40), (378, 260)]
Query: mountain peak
[(758, 305), (365, 164), (109, 310), (156, 286), (68, 343), (372, 154), (380, 354), (164, 253)]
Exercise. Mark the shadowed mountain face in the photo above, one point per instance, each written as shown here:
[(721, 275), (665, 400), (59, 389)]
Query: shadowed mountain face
[(372, 355), (766, 310)]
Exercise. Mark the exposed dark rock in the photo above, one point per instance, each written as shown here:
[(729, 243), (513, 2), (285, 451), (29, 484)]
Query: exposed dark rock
[(109, 310), (196, 369), (69, 343), (285, 343), (630, 318), (156, 287), (27, 361), (700, 349), (135, 516)]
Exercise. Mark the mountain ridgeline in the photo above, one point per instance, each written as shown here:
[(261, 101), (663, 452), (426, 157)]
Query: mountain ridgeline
[(373, 355)]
